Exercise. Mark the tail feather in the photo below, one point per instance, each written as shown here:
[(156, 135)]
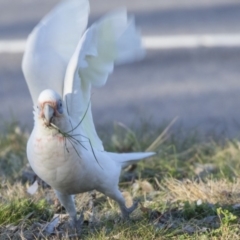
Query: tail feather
[(126, 159)]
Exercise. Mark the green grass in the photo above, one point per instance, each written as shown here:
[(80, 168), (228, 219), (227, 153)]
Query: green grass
[(12, 152), (16, 210), (189, 190)]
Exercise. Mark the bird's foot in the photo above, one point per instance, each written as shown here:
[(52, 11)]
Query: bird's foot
[(76, 223), (127, 211)]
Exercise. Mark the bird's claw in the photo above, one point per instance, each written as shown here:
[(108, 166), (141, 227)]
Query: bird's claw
[(127, 211), (76, 223)]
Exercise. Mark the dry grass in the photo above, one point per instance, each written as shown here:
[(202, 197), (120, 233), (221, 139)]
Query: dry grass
[(213, 191)]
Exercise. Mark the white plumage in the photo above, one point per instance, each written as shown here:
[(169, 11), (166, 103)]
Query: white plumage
[(61, 63)]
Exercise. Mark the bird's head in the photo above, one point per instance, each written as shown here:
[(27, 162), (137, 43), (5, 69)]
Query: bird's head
[(50, 106)]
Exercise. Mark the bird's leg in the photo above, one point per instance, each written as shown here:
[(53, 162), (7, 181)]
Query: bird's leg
[(68, 202), (118, 197)]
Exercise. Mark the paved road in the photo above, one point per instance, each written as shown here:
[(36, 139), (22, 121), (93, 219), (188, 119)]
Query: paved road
[(200, 85)]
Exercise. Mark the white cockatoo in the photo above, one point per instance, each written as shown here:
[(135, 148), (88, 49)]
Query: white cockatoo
[(61, 62)]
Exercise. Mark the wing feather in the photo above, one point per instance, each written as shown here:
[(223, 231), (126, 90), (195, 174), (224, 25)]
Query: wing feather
[(113, 39), (51, 45)]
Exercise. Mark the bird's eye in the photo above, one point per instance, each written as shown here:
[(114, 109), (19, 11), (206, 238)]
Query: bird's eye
[(59, 103), (60, 107)]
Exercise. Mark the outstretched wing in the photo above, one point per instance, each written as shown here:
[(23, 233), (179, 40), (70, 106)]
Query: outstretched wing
[(51, 45), (113, 39)]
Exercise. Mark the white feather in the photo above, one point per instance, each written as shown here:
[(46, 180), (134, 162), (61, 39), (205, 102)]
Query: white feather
[(51, 45), (112, 39), (126, 159)]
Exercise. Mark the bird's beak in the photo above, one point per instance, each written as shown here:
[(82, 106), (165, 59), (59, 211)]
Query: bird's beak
[(48, 113)]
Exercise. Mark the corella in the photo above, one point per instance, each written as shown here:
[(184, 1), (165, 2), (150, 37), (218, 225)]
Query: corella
[(62, 60)]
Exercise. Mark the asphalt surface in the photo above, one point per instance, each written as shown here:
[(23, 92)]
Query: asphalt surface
[(199, 85)]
